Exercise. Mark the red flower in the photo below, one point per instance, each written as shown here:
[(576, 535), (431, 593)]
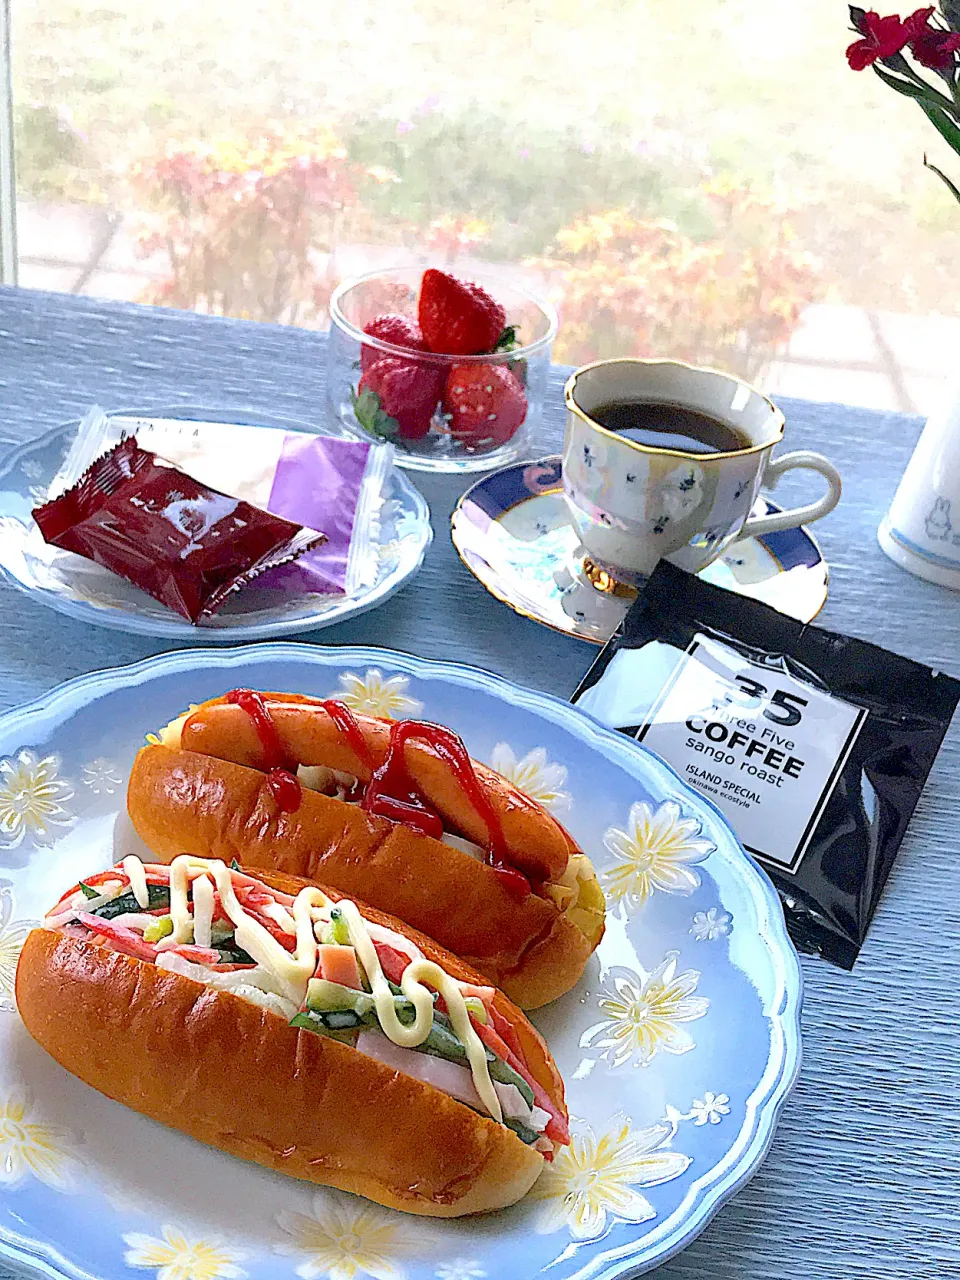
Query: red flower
[(882, 38), (931, 46), (918, 20)]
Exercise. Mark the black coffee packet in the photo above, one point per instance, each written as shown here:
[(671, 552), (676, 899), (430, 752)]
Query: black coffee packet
[(814, 745)]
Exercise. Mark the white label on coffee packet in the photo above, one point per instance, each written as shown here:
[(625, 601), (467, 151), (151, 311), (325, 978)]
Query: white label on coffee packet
[(766, 748)]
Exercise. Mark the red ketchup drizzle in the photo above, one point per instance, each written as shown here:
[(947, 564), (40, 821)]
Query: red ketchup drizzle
[(253, 704), (349, 726), (284, 785), (286, 789), (393, 793)]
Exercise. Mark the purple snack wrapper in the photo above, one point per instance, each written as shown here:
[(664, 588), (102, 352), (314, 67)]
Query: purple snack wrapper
[(322, 476)]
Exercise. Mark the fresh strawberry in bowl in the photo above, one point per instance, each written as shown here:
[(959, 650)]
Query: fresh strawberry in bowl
[(485, 404), (396, 398), (452, 371), (398, 330), (458, 317)]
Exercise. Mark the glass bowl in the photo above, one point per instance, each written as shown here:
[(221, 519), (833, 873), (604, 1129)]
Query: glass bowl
[(454, 440)]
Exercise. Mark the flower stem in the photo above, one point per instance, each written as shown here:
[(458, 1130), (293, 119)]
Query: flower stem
[(930, 92), (951, 186)]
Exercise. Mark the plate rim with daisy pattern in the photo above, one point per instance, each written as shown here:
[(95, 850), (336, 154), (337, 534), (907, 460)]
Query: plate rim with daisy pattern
[(638, 1183)]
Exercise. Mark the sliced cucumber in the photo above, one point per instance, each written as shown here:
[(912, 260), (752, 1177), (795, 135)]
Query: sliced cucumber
[(443, 1043), (231, 953), (340, 1019), (162, 927), (158, 894), (323, 996), (505, 1074), (529, 1136), (330, 1006), (309, 1021)]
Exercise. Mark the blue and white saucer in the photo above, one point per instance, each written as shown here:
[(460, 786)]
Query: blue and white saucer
[(512, 531)]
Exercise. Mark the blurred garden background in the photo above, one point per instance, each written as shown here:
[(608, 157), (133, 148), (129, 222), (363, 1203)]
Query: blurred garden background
[(706, 180)]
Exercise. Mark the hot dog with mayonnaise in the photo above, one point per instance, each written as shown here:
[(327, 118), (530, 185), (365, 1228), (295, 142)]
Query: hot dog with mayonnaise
[(290, 1026), (395, 812)]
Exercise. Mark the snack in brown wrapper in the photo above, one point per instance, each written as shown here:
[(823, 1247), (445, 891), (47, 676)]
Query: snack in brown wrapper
[(187, 545)]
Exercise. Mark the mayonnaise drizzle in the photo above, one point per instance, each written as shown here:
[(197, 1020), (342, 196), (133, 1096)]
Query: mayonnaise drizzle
[(412, 985), (279, 914), (202, 910), (294, 970), (133, 867)]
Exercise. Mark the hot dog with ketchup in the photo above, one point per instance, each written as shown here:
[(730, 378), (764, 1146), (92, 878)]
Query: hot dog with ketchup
[(395, 812), (295, 1028)]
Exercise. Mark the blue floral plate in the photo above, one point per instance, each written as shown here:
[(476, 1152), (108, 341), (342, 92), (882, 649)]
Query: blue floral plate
[(678, 1047), (513, 532), (84, 590)]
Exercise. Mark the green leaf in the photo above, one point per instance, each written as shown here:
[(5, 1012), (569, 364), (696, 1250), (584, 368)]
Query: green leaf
[(89, 891), (385, 426), (897, 62), (234, 865), (947, 128), (508, 339), (951, 186), (371, 415), (918, 89)]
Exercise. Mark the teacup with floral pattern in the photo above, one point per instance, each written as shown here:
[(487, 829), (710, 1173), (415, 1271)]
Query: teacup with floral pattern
[(634, 504)]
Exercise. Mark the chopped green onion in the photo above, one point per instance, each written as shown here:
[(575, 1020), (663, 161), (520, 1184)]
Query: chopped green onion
[(476, 1006), (341, 930), (162, 929)]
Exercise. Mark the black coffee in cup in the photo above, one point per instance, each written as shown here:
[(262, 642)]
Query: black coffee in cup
[(661, 425)]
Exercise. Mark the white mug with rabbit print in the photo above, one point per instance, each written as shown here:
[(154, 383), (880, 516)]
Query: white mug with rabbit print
[(921, 531)]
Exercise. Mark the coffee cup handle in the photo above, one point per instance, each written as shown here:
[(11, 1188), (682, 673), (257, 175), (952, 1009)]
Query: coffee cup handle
[(756, 526)]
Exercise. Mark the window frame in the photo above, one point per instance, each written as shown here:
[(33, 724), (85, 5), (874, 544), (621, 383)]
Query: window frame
[(8, 179)]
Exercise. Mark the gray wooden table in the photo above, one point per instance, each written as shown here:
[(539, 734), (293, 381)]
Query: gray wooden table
[(863, 1179)]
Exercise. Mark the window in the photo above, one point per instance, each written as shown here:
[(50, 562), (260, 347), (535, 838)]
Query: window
[(8, 222), (708, 181)]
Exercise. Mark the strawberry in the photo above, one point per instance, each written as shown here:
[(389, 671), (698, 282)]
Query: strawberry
[(457, 317), (397, 398), (399, 330), (486, 404)]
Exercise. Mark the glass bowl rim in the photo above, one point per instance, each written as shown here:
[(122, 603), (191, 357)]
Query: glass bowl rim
[(441, 358)]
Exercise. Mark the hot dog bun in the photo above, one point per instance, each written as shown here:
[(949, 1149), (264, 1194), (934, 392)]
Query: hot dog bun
[(238, 1077), (183, 801)]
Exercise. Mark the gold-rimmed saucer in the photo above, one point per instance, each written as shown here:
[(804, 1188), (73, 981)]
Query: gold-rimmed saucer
[(512, 532)]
